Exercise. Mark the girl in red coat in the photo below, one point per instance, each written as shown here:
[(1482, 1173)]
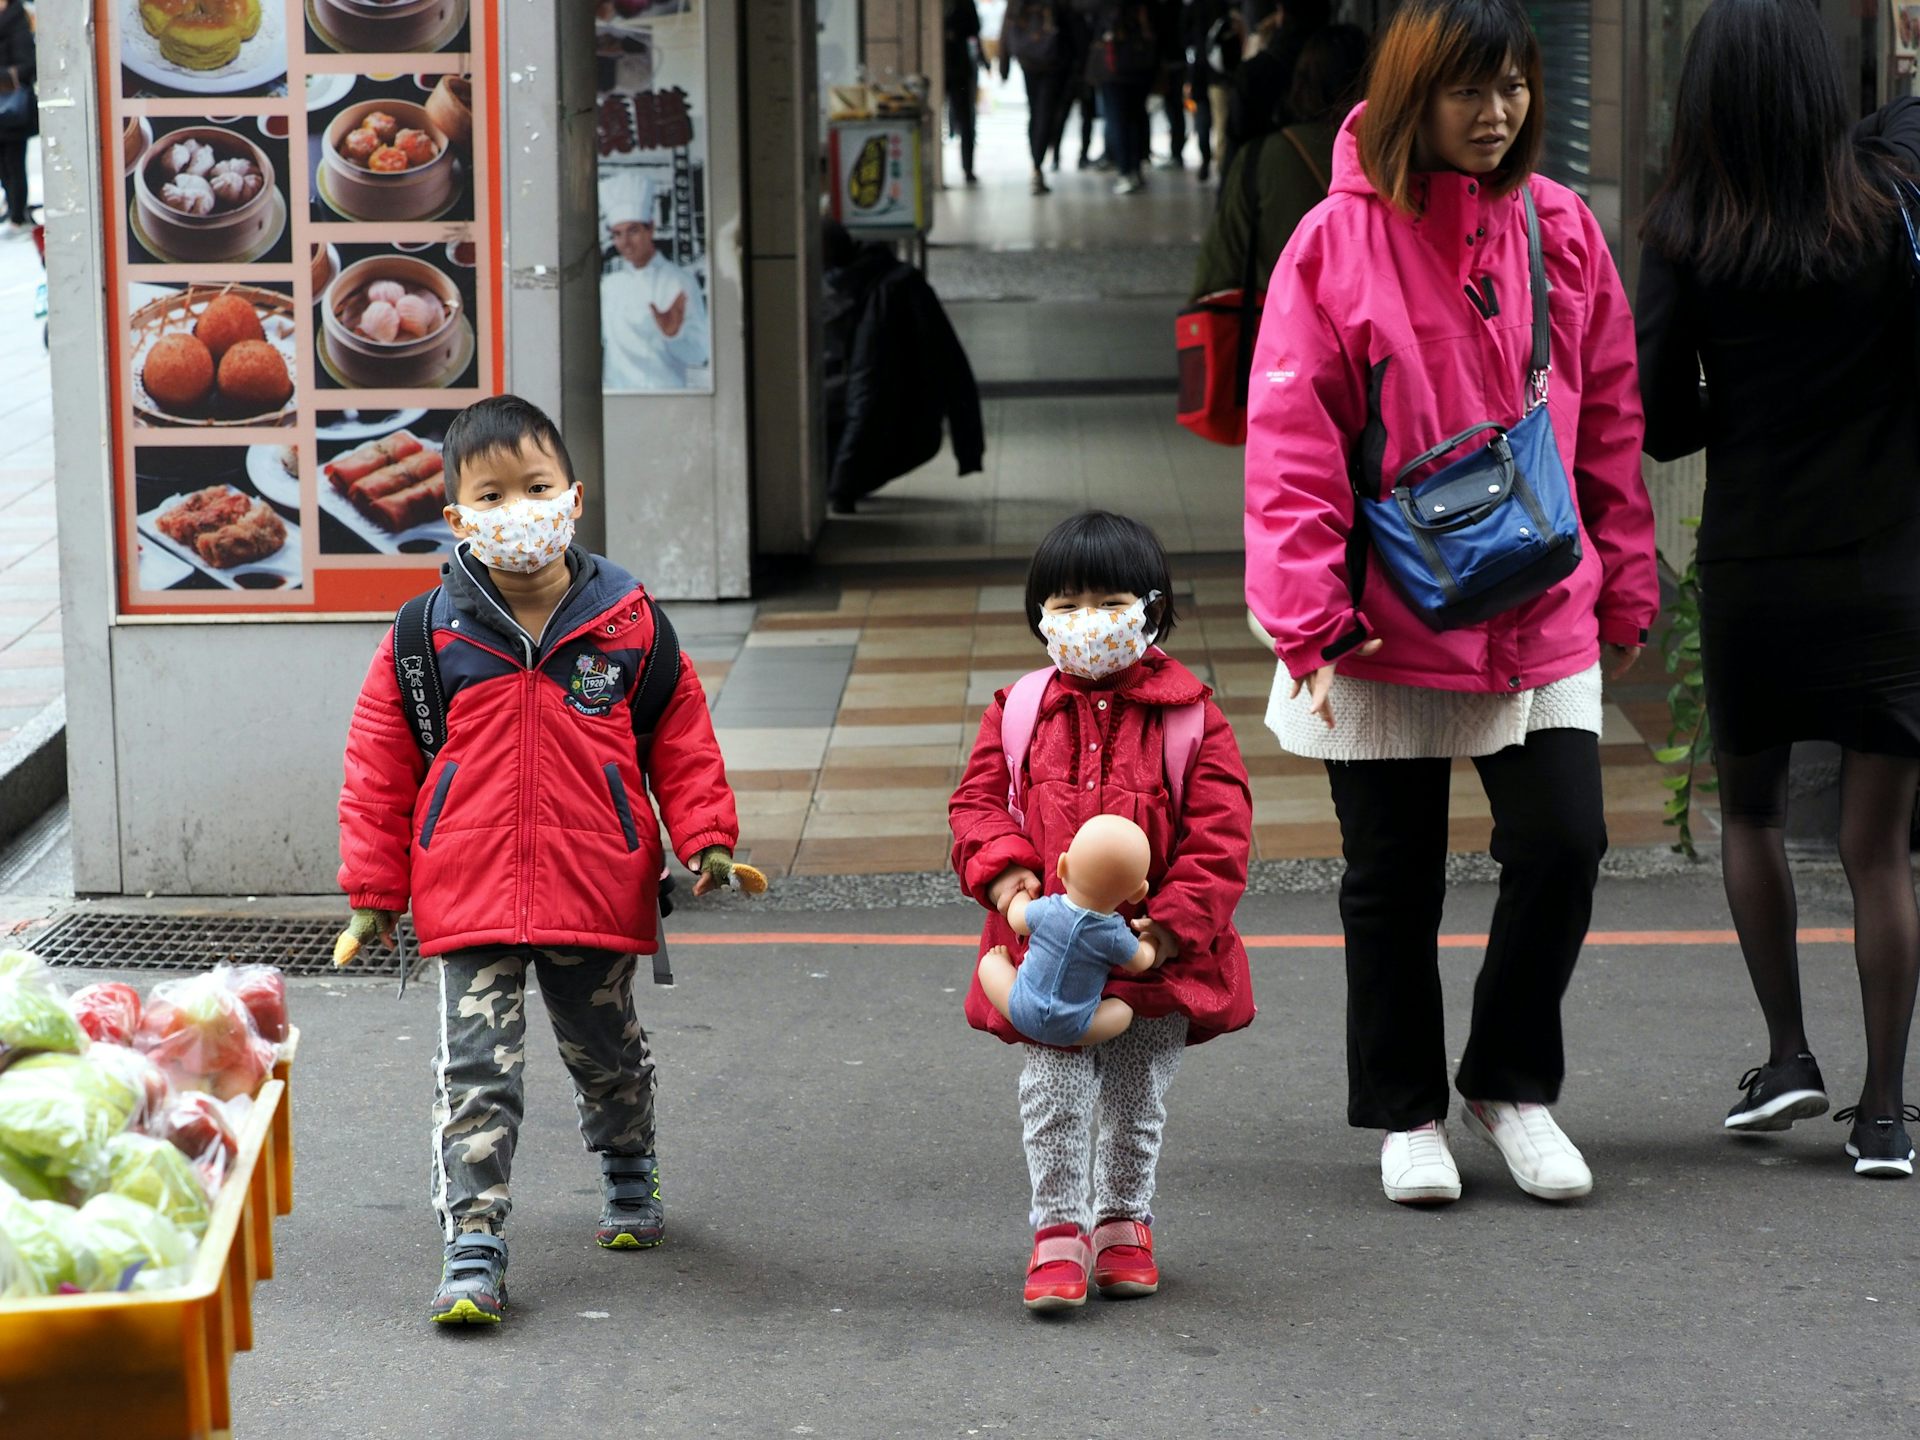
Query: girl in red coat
[(1098, 747)]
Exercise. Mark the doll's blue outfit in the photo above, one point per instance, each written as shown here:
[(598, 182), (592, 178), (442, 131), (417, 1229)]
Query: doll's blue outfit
[(1070, 957)]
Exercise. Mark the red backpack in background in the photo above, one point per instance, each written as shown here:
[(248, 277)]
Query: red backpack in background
[(1214, 336)]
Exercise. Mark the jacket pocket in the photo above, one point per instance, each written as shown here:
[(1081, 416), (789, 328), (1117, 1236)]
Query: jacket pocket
[(617, 788), (439, 799)]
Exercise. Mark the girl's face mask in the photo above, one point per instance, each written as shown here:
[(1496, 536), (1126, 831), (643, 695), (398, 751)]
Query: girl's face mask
[(522, 535), (1093, 643)]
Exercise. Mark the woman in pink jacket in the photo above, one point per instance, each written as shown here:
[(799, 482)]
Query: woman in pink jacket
[(1399, 315)]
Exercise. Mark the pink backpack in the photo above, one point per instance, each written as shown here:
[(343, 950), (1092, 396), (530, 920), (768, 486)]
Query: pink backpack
[(1181, 729)]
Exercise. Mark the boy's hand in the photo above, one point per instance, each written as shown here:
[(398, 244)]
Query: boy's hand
[(362, 928), (717, 867), (1014, 880), (1153, 933)]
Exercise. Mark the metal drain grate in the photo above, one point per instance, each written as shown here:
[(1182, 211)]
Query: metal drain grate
[(103, 940)]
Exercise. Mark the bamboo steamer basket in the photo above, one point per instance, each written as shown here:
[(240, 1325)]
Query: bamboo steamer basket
[(451, 108), (177, 314), (413, 362), (382, 26), (224, 235), (417, 193)]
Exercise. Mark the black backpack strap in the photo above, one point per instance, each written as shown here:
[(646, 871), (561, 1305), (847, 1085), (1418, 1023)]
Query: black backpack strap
[(417, 671), (659, 675)]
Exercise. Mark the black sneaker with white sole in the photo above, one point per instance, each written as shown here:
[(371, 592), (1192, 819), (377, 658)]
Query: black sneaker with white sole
[(1881, 1145), (1778, 1095)]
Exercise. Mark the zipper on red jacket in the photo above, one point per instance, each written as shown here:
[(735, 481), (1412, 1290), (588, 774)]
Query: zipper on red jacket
[(529, 709)]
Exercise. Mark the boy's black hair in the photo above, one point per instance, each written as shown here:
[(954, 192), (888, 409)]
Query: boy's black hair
[(496, 424), (1098, 550)]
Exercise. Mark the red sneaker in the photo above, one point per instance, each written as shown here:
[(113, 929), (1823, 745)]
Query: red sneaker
[(1057, 1273), (1123, 1260)]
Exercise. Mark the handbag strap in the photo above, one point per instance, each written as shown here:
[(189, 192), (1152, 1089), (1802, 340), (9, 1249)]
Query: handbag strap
[(1249, 272), (1540, 368)]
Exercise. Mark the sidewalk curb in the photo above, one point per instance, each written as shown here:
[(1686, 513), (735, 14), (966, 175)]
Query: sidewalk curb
[(33, 770)]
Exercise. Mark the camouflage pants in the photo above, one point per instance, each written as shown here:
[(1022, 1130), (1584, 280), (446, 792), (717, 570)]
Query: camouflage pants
[(478, 1094)]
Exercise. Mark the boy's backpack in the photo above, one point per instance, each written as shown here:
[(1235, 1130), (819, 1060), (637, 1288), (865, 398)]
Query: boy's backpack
[(1181, 730), (424, 704)]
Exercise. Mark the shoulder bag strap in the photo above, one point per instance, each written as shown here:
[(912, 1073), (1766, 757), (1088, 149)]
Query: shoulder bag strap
[(1293, 139), (1540, 367), (417, 672), (1249, 272)]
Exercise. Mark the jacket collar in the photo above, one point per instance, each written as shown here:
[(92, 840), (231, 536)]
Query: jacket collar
[(596, 585), (1156, 679)]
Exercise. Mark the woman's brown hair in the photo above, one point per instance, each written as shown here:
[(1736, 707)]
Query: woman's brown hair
[(1439, 42)]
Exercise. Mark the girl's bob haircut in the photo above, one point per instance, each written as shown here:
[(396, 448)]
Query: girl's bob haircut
[(1100, 551), (1429, 43)]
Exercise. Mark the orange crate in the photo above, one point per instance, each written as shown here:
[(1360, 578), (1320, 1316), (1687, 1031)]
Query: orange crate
[(153, 1366)]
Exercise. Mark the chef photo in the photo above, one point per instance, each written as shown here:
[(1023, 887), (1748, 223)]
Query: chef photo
[(653, 317)]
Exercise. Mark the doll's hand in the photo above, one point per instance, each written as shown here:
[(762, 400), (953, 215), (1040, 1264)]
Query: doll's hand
[(717, 867), (362, 928), (1146, 957), (1012, 881), (1165, 947)]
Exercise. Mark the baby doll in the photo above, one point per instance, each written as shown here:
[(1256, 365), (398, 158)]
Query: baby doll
[(1053, 997)]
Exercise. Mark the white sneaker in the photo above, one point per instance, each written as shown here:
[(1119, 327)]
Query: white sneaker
[(1539, 1156), (1127, 185), (1416, 1166)]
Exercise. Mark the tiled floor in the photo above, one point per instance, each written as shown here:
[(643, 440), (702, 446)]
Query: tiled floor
[(851, 772), (31, 676)]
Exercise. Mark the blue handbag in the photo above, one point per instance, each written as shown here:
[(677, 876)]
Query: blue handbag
[(1495, 528)]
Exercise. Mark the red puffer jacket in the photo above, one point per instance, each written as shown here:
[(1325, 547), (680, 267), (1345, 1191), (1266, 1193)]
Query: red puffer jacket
[(1097, 750), (532, 825)]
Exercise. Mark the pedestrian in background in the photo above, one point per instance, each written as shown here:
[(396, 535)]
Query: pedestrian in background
[(1123, 63), (1037, 34), (1291, 170), (1257, 104), (1778, 268), (1400, 314), (962, 50), (1169, 33), (19, 110), (1081, 92)]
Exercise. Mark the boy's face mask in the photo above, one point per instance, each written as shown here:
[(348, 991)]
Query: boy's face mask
[(1093, 643), (522, 535)]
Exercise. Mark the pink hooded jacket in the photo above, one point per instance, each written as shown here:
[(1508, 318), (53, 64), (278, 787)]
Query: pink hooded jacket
[(1370, 352)]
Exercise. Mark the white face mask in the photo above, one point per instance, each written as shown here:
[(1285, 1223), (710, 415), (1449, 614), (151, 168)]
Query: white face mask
[(1093, 643), (522, 535)]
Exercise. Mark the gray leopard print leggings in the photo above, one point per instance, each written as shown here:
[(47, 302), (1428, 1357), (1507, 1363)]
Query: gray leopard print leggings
[(1125, 1082)]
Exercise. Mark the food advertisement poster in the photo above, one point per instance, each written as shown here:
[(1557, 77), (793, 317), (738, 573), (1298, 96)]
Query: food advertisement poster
[(303, 247), (651, 68), (875, 165)]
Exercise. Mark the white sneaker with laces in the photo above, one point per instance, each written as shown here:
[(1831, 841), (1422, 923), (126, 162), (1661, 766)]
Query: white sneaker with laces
[(1416, 1166), (1539, 1156)]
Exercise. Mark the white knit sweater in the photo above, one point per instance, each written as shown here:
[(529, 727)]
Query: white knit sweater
[(1377, 721)]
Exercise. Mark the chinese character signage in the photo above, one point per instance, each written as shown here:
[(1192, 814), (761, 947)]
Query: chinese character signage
[(875, 165), (651, 60), (303, 242)]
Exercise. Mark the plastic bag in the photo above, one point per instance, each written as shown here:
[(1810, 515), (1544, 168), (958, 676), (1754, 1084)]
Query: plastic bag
[(27, 1177), (138, 1072), (206, 1131), (136, 1246), (108, 1012), (58, 1111), (155, 1173), (46, 1241), (263, 990), (33, 1010), (199, 1032), (18, 1281)]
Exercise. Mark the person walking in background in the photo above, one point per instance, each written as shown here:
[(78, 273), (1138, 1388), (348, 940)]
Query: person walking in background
[(1037, 33), (1776, 265), (1169, 33), (1291, 170), (1203, 81), (1123, 62), (1257, 104), (1401, 313), (1080, 90), (19, 110), (962, 41)]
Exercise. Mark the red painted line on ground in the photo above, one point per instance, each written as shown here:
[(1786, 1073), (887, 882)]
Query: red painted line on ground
[(1603, 938)]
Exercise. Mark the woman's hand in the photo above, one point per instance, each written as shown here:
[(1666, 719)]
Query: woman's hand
[(1012, 881), (1621, 659), (1165, 947), (1319, 685)]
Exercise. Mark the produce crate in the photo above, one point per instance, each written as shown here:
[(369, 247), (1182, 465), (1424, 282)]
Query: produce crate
[(153, 1366)]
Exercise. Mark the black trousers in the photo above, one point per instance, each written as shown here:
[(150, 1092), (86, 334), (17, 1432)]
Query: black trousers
[(961, 100), (1048, 95), (1173, 99), (1123, 105), (1549, 834), (13, 177)]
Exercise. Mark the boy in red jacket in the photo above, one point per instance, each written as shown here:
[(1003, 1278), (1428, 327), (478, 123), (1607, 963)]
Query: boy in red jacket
[(526, 841)]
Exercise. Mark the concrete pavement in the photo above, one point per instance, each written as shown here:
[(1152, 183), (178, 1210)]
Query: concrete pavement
[(846, 1200)]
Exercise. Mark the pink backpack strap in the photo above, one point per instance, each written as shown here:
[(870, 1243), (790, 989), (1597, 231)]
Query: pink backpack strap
[(1017, 719), (1182, 727)]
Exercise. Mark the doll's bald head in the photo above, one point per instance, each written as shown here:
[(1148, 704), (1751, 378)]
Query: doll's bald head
[(1106, 865)]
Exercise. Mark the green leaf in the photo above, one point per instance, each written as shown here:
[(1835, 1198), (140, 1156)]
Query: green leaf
[(1673, 754), (1679, 805)]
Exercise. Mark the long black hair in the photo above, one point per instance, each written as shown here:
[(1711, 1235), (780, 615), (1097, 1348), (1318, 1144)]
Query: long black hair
[(1098, 550), (1764, 186)]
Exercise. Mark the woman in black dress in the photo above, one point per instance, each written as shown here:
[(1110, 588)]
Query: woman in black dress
[(1777, 330)]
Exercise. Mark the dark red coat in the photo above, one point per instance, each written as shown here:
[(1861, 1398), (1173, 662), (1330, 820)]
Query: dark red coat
[(1097, 750), (532, 826)]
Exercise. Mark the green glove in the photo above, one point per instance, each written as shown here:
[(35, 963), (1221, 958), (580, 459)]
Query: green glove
[(363, 927), (716, 864)]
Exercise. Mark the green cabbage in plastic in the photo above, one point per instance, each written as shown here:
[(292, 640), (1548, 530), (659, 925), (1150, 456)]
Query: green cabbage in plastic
[(58, 1111), (33, 1012), (43, 1236), (155, 1173), (18, 962), (18, 1281), (122, 1233), (26, 1177)]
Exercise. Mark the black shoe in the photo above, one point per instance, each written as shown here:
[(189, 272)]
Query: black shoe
[(632, 1217), (1880, 1146), (1778, 1095), (473, 1282), (842, 507)]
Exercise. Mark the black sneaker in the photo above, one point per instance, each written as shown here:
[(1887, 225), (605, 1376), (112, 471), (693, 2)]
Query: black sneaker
[(1880, 1146), (633, 1217), (473, 1282), (1778, 1095)]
